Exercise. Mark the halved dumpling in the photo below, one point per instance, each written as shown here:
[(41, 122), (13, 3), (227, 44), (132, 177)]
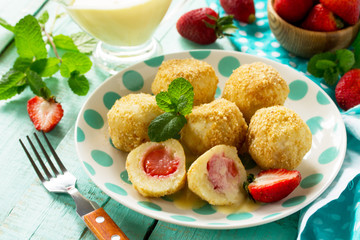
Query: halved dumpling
[(157, 169), (217, 176)]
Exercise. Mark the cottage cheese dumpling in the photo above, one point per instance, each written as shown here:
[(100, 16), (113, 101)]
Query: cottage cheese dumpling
[(211, 124), (200, 74), (278, 138), (217, 176), (129, 119), (254, 86), (157, 169)]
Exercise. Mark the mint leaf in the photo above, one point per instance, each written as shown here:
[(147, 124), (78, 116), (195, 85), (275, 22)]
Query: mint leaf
[(22, 64), (74, 61), (44, 17), (9, 83), (331, 75), (46, 67), (346, 59), (28, 38), (37, 85), (164, 102), (166, 126), (357, 56), (64, 42), (325, 64), (78, 83), (321, 56), (84, 42), (6, 25), (181, 87)]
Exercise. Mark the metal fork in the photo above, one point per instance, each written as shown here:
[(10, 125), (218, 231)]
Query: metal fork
[(62, 181)]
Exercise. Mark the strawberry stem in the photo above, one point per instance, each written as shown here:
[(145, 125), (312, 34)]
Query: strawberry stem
[(221, 25)]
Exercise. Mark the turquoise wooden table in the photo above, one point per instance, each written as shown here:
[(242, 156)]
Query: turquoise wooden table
[(27, 210)]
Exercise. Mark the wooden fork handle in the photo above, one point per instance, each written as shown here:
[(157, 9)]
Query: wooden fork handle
[(102, 226)]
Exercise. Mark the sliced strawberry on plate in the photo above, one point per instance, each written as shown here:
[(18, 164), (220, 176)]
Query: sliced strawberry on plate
[(203, 26), (45, 114), (272, 185)]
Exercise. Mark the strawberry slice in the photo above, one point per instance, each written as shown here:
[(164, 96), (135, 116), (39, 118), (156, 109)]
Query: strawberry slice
[(159, 162), (45, 114), (272, 185)]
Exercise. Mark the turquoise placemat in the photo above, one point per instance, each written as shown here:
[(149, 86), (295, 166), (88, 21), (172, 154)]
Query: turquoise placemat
[(336, 213)]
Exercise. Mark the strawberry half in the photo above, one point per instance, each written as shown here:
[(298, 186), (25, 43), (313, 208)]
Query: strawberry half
[(347, 10), (243, 10), (272, 185), (203, 26), (321, 19), (45, 114), (347, 91)]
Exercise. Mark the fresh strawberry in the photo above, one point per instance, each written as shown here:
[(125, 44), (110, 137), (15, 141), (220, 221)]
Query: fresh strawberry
[(321, 19), (243, 10), (45, 114), (347, 91), (347, 10), (272, 185), (292, 11), (203, 25)]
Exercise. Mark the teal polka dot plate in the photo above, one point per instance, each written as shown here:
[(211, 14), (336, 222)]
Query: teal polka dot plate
[(105, 165)]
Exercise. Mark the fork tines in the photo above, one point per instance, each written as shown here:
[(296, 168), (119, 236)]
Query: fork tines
[(42, 164)]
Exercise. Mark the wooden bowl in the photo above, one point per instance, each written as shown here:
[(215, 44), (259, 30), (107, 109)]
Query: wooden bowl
[(305, 43)]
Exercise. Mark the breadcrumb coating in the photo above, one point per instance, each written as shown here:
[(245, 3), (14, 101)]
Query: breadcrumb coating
[(200, 74), (211, 124), (254, 86), (129, 119), (278, 138)]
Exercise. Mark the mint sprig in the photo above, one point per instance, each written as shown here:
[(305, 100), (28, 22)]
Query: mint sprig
[(332, 65), (177, 102), (35, 62)]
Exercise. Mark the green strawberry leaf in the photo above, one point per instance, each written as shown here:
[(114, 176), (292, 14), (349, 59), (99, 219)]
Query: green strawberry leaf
[(37, 85), (79, 84), (166, 126), (74, 61), (46, 67), (28, 39), (6, 25), (84, 42), (321, 56), (357, 56), (64, 42), (346, 60)]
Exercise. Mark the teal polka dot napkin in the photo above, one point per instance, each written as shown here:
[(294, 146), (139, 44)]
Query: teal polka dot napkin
[(336, 213)]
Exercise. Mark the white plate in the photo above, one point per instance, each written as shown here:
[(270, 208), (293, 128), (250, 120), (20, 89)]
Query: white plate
[(106, 165)]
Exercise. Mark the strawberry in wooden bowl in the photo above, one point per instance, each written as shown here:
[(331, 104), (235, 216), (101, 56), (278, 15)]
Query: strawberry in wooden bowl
[(306, 28)]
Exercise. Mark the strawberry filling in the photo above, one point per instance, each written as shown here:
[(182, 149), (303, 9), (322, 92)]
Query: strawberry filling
[(222, 172), (159, 162)]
